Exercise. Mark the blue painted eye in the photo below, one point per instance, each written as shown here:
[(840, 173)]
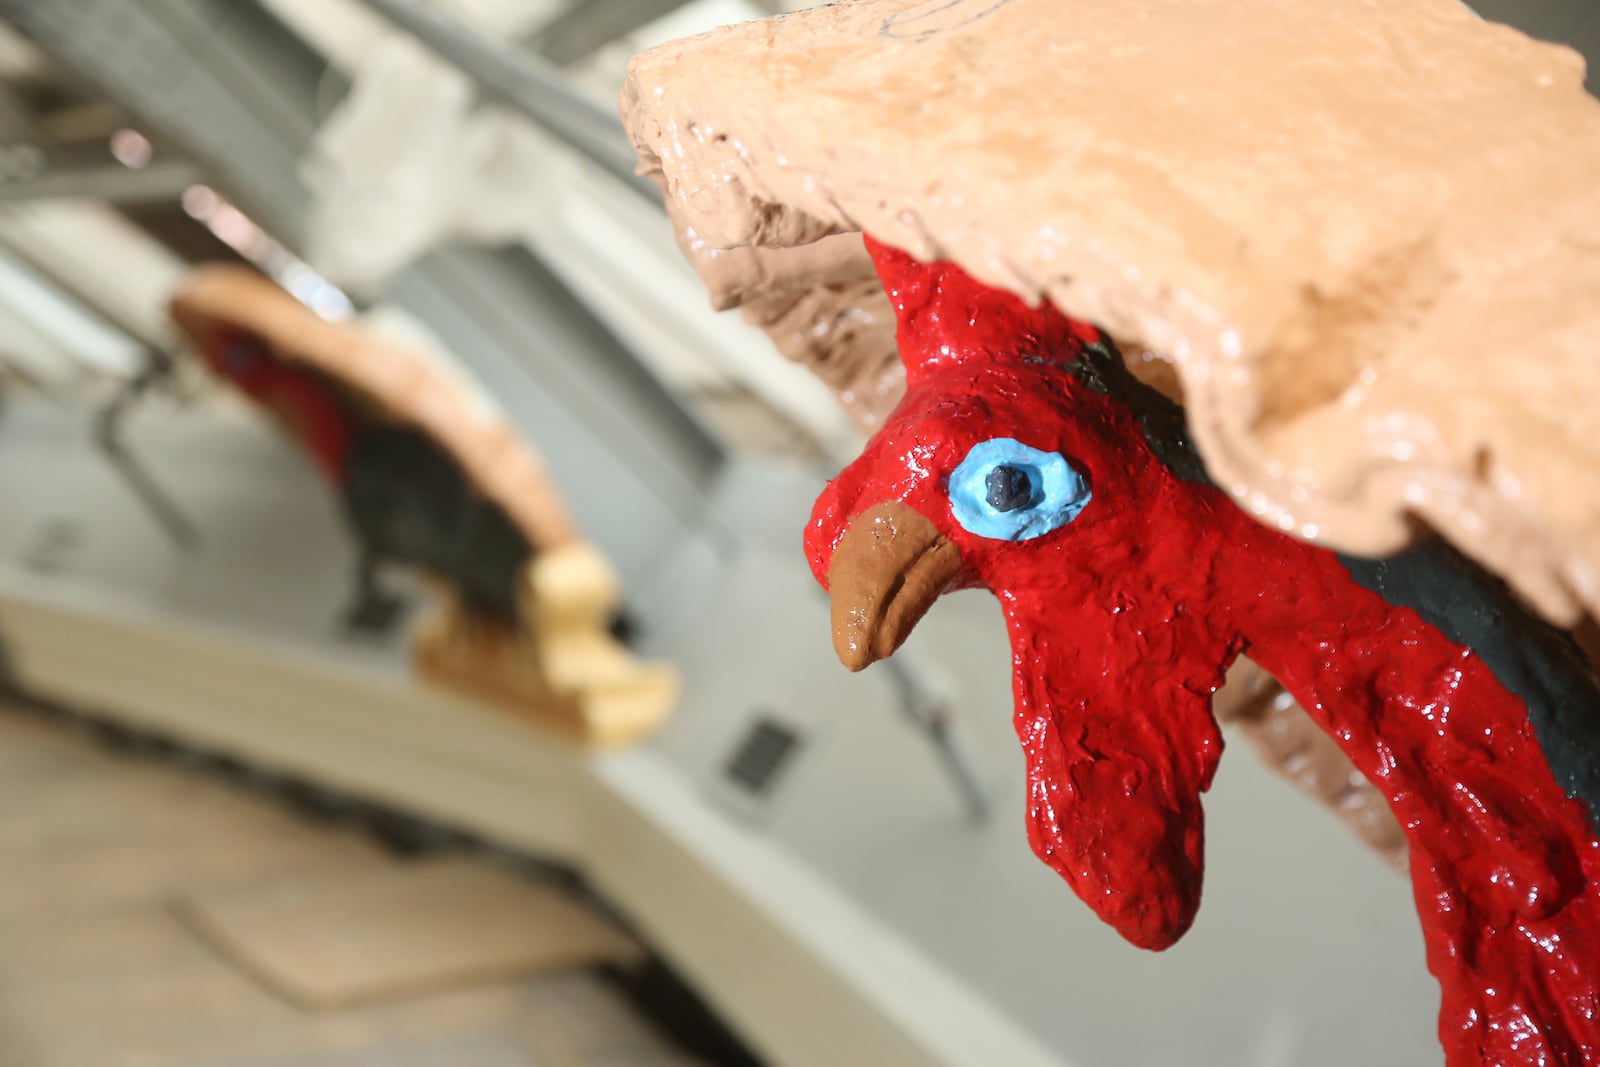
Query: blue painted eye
[(1010, 492)]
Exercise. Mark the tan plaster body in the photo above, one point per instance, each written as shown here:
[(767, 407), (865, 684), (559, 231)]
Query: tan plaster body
[(1366, 235)]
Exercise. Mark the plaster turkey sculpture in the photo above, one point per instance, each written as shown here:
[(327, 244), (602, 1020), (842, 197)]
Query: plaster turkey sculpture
[(1380, 334), (430, 478), (406, 499), (1026, 459), (1379, 330)]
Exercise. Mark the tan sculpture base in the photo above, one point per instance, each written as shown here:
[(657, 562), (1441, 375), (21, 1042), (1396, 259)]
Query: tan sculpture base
[(564, 671)]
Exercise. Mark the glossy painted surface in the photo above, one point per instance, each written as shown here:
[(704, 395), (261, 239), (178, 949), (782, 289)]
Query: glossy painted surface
[(1122, 623)]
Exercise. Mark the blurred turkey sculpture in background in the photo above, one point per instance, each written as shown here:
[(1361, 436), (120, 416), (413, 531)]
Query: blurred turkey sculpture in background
[(429, 477), (408, 501), (1025, 458)]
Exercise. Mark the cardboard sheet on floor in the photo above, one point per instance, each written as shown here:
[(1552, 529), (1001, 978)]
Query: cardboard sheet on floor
[(354, 935)]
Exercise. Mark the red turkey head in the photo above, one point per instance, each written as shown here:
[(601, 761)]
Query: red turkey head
[(1007, 466)]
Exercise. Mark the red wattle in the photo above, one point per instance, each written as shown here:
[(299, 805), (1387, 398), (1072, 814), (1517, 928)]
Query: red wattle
[(1117, 755)]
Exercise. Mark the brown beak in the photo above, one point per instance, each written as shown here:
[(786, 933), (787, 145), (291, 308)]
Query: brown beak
[(888, 569)]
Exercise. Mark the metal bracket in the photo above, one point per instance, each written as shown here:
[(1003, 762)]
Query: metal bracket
[(108, 436)]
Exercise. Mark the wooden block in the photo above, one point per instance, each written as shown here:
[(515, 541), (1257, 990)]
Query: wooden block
[(351, 936), (570, 585), (565, 673)]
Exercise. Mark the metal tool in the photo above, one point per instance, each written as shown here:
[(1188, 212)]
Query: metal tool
[(928, 709), (108, 436)]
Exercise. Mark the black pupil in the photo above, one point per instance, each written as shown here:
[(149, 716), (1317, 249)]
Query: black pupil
[(1010, 489)]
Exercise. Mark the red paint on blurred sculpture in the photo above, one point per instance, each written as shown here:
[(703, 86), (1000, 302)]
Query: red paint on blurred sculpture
[(297, 397)]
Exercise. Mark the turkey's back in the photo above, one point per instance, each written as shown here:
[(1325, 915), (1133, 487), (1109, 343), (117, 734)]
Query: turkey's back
[(410, 502)]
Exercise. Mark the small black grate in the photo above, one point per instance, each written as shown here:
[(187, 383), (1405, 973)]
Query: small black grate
[(763, 754)]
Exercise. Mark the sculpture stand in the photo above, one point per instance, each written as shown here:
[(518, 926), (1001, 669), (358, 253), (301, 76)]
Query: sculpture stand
[(563, 669)]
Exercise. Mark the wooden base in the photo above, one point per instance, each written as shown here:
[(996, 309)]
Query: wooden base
[(564, 670)]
